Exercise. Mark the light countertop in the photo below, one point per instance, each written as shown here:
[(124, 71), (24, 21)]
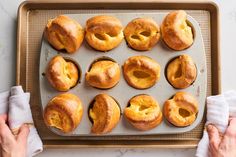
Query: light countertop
[(8, 16)]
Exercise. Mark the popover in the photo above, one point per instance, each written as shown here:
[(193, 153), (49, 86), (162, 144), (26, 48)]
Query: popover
[(142, 33), (62, 74), (181, 110), (143, 112), (104, 32), (104, 113), (64, 33), (141, 72), (64, 112), (176, 32), (181, 72), (103, 74)]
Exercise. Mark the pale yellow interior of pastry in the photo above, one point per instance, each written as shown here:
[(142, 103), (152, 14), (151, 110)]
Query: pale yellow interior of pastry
[(101, 66), (141, 36), (97, 115), (141, 77), (183, 112), (178, 72), (70, 77), (99, 36), (187, 30), (59, 120), (140, 74), (142, 107), (92, 115), (135, 37), (175, 70), (61, 39), (66, 71), (106, 37), (145, 33)]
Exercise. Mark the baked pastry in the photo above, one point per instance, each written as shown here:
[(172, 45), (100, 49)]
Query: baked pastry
[(104, 113), (64, 33), (181, 110), (181, 72), (141, 72), (142, 33), (176, 32), (103, 74), (143, 112), (104, 32), (63, 112), (62, 74)]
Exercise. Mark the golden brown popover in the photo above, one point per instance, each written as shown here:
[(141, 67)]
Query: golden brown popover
[(176, 32), (181, 110), (63, 112), (104, 32), (142, 33), (141, 72), (62, 74), (143, 112), (104, 113), (103, 74), (181, 72), (64, 33)]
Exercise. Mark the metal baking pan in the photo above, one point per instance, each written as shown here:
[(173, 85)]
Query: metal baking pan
[(32, 17), (161, 91)]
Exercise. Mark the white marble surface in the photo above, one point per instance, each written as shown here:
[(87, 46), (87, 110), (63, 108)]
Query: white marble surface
[(8, 12)]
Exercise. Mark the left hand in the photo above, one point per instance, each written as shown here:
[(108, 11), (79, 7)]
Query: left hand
[(10, 145)]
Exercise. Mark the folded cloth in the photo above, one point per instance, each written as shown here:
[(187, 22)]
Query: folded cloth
[(16, 104), (4, 102), (219, 109)]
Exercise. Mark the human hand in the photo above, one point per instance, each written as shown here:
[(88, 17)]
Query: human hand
[(10, 145), (222, 146)]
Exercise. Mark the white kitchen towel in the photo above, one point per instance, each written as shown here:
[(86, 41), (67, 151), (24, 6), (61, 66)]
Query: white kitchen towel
[(4, 96), (219, 109), (18, 110)]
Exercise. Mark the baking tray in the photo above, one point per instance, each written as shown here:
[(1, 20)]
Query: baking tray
[(32, 16), (161, 91)]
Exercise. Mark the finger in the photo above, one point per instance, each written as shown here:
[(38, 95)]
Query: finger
[(23, 134), (2, 122), (3, 118), (231, 130), (214, 136), (229, 139), (5, 133)]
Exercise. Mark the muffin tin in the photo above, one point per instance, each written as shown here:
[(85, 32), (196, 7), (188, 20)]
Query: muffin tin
[(122, 92)]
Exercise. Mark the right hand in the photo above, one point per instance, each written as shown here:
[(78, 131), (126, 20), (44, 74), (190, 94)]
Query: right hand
[(222, 146)]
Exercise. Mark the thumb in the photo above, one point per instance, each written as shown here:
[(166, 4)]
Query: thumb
[(23, 134), (214, 136)]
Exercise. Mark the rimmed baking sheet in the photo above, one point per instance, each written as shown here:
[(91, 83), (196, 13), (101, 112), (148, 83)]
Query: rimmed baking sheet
[(32, 17)]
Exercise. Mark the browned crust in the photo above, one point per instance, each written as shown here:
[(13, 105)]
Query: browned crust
[(68, 104), (62, 75), (106, 77), (181, 100), (140, 120), (138, 26), (108, 27), (172, 33), (107, 114), (70, 30), (188, 72), (141, 63)]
